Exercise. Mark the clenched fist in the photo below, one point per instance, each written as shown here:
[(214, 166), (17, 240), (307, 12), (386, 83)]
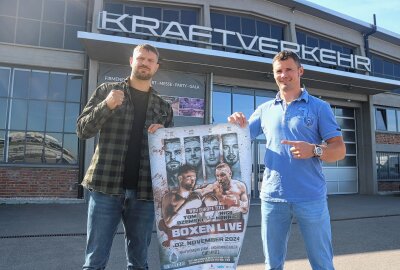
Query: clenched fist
[(115, 99)]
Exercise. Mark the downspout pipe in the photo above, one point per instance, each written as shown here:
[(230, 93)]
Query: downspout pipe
[(84, 98), (366, 35)]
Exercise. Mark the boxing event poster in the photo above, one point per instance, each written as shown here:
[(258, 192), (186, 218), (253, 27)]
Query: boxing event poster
[(201, 182)]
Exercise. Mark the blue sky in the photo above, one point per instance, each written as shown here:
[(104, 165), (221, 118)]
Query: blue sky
[(387, 11)]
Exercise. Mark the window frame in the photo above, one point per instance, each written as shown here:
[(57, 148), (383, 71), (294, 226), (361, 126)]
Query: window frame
[(386, 119), (31, 135)]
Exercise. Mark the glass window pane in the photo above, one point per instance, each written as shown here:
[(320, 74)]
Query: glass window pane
[(233, 24), (346, 123), (28, 32), (152, 12), (52, 35), (8, 8), (71, 41), (398, 121), (260, 100), (324, 44), (53, 148), (189, 17), (330, 164), (263, 96), (243, 103), (55, 116), (2, 140), (4, 81), (312, 42), (394, 172), (388, 68), (54, 11), (19, 109), (31, 9), (133, 10), (248, 27), (7, 29), (37, 115), (34, 151), (74, 88), (397, 71), (382, 165), (377, 65), (337, 48), (170, 15), (76, 12), (349, 136), (16, 147), (348, 161), (380, 118), (346, 112), (39, 85), (71, 114), (21, 83), (57, 86), (301, 38), (276, 32), (221, 107), (351, 148), (113, 8), (3, 113), (217, 20), (70, 153), (391, 120), (263, 29)]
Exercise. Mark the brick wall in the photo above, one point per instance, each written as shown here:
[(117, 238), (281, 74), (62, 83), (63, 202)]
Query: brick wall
[(387, 138), (38, 182), (389, 186)]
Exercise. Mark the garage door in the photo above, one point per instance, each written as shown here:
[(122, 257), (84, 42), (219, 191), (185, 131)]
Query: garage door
[(342, 176)]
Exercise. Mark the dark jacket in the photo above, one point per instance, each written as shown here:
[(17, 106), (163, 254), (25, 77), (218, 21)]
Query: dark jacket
[(106, 170)]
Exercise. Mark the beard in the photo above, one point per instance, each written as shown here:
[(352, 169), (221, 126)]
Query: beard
[(194, 162), (173, 166), (143, 73)]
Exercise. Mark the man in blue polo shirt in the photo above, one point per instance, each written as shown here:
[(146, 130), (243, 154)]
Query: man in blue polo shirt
[(301, 132)]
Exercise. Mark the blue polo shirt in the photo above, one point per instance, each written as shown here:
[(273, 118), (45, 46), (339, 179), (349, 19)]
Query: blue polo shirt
[(307, 118)]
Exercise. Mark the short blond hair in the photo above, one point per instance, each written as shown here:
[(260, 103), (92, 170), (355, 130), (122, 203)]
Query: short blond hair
[(147, 47)]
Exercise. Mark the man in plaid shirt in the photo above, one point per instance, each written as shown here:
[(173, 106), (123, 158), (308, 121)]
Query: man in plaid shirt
[(118, 179)]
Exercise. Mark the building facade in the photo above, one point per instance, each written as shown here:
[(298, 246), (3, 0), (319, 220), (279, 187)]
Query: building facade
[(215, 59)]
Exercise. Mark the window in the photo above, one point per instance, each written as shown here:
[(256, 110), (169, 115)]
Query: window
[(248, 27), (387, 119), (345, 117), (184, 16), (44, 23), (387, 165), (229, 99), (312, 41), (38, 112), (384, 68)]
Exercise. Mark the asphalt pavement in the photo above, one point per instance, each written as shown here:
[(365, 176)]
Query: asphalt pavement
[(40, 235)]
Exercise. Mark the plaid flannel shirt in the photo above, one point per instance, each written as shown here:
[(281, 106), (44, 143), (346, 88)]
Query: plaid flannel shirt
[(106, 170)]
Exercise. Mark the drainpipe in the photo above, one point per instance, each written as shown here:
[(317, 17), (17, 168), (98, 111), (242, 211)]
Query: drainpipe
[(366, 35), (84, 98)]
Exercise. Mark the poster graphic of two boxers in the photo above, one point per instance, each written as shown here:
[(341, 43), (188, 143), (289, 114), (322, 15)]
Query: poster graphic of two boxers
[(201, 182)]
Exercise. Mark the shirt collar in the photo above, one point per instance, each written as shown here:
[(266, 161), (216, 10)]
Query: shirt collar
[(303, 96), (151, 91)]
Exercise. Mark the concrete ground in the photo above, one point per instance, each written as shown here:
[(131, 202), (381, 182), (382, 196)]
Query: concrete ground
[(43, 236)]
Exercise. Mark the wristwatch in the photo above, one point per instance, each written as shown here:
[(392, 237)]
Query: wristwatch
[(318, 151)]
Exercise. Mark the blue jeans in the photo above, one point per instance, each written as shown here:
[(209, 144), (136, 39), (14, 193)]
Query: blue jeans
[(314, 222), (104, 215)]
